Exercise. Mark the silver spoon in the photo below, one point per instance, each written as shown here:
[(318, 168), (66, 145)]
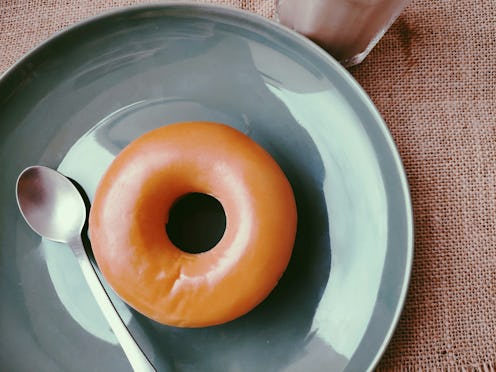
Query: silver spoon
[(54, 208)]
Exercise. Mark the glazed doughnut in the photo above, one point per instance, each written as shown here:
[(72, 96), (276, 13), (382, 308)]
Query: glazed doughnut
[(131, 209)]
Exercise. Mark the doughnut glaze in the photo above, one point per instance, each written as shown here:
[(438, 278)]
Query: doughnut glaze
[(131, 209)]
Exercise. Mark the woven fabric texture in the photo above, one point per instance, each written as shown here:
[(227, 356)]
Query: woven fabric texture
[(433, 78)]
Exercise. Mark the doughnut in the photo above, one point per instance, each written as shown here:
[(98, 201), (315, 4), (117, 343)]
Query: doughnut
[(131, 209)]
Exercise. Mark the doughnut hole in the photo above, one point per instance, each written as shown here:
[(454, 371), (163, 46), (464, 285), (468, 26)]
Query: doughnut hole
[(196, 223)]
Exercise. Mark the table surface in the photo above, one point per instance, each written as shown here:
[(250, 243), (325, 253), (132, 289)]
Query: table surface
[(433, 78)]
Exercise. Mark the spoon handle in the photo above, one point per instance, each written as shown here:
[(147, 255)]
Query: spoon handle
[(135, 355)]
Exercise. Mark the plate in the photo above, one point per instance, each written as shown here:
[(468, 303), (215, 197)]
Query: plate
[(76, 100)]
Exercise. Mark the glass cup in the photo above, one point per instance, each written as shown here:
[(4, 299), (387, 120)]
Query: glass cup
[(347, 29)]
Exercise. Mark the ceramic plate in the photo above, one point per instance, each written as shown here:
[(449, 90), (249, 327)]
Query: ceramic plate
[(75, 101)]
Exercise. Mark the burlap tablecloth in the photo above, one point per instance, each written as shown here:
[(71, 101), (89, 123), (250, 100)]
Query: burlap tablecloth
[(433, 77)]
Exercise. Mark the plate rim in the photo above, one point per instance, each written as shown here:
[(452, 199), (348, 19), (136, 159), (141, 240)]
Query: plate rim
[(238, 13)]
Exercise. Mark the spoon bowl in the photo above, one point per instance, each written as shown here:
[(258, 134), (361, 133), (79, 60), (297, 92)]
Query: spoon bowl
[(50, 204)]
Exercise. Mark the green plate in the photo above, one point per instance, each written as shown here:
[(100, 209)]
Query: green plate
[(76, 100)]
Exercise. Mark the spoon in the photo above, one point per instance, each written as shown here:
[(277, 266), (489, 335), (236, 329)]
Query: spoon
[(54, 208)]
